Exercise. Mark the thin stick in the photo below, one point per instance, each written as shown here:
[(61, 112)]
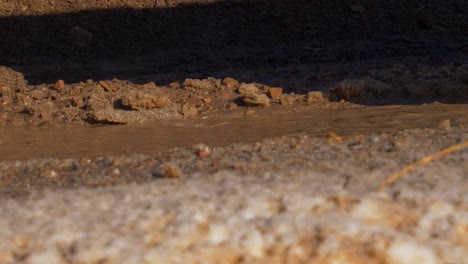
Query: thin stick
[(421, 162)]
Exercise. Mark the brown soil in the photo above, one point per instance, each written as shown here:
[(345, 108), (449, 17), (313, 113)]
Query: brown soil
[(232, 131)]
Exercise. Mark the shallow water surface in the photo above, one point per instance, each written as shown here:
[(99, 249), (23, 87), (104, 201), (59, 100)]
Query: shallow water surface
[(218, 130)]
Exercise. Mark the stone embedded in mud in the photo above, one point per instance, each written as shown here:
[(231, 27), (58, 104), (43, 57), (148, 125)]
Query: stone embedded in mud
[(59, 85), (248, 89), (145, 101), (256, 100), (80, 36), (275, 92), (230, 83), (360, 89)]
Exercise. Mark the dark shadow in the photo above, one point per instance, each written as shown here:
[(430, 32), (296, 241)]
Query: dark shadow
[(241, 39)]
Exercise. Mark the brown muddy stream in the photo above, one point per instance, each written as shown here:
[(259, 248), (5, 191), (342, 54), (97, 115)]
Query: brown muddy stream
[(218, 130)]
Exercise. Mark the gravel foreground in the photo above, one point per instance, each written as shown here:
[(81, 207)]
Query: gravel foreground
[(282, 200), (291, 199)]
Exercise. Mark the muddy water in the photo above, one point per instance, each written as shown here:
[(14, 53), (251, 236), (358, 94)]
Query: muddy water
[(218, 130)]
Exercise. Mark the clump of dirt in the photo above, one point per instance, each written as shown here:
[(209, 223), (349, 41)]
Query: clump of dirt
[(122, 102)]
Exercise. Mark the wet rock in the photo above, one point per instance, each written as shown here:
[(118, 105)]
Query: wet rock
[(256, 100), (80, 37), (350, 89), (230, 83), (59, 85), (275, 92), (248, 89), (145, 101)]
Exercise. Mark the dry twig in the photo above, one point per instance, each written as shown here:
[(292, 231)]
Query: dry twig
[(421, 162)]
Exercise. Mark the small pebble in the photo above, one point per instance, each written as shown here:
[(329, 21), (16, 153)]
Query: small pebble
[(59, 85), (230, 82), (275, 92), (445, 125), (172, 170)]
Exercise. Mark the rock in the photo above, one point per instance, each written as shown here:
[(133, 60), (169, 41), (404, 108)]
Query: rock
[(275, 92), (97, 104), (6, 93), (232, 106), (59, 85), (201, 150), (315, 96), (44, 109), (77, 101), (206, 84), (174, 85), (248, 89), (22, 98), (80, 37), (13, 79), (230, 83), (108, 87), (207, 100), (350, 89), (114, 116), (256, 100), (188, 110), (36, 94), (145, 101), (150, 85), (172, 170), (445, 125)]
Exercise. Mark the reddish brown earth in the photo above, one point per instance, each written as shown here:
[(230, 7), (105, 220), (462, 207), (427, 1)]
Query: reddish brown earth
[(232, 131)]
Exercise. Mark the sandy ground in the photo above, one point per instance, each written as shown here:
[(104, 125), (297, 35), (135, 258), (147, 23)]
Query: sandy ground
[(232, 131)]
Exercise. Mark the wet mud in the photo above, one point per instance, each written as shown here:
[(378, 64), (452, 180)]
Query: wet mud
[(232, 131)]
